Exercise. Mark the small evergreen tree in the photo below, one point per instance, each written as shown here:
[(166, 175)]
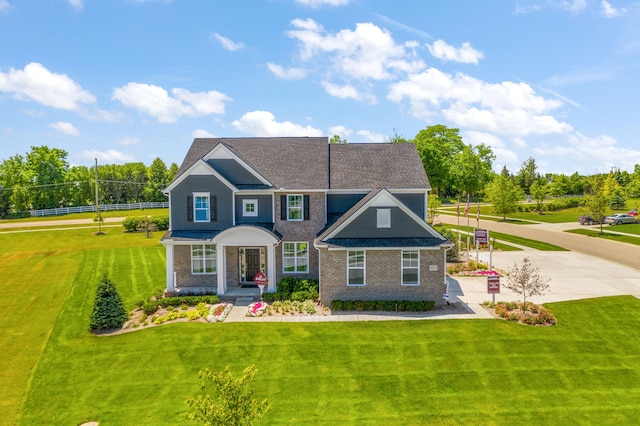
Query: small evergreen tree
[(108, 309)]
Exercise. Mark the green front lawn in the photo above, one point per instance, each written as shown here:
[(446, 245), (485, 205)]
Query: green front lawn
[(396, 372), (592, 232)]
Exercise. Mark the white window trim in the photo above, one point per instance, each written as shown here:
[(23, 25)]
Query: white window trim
[(383, 217), (402, 268), (301, 207), (204, 259), (364, 268), (196, 195), (245, 203), (295, 257)]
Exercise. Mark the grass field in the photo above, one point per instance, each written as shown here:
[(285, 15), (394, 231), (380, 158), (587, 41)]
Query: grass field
[(629, 239), (521, 241), (585, 370)]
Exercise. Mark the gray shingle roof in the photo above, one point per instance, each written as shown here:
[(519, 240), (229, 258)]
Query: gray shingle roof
[(368, 166), (290, 163)]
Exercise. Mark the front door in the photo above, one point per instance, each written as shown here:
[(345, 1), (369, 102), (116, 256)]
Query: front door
[(252, 263)]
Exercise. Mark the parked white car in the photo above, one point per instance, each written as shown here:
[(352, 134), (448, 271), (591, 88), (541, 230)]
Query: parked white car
[(619, 219)]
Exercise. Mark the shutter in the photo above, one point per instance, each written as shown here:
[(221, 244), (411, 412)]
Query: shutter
[(305, 206), (190, 208), (213, 206), (283, 207)]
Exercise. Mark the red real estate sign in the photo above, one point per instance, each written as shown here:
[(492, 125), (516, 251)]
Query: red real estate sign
[(493, 284), (481, 236), (260, 279)]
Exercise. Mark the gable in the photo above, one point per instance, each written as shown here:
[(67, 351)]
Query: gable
[(365, 225)]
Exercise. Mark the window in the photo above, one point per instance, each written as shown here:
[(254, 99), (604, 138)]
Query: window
[(203, 259), (201, 207), (249, 207), (295, 207), (384, 218), (410, 267), (295, 257), (355, 267)]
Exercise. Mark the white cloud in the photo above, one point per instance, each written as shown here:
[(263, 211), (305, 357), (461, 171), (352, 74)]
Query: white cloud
[(609, 11), (508, 108), (347, 92), (200, 133), (320, 3), (504, 155), (602, 150), (41, 85), (156, 101), (66, 128), (227, 43), (4, 6), (77, 4), (339, 130), (287, 74), (370, 136), (107, 157), (263, 123), (575, 6), (465, 54), (368, 52), (127, 140)]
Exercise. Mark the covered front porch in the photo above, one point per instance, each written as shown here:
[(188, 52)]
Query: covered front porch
[(229, 263)]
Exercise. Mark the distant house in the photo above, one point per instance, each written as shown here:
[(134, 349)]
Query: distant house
[(350, 215)]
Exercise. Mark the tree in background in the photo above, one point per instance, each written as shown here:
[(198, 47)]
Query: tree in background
[(472, 169), (79, 189), (336, 139), (108, 309), (595, 201), (504, 195), (527, 175), (613, 192), (232, 403), (434, 205), (45, 169), (559, 185), (157, 181), (14, 181), (397, 138), (526, 281), (438, 145), (538, 191)]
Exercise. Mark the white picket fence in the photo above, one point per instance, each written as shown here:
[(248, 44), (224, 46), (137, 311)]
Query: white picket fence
[(103, 208)]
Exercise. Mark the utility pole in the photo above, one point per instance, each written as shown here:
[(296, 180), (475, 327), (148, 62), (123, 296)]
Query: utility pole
[(97, 204)]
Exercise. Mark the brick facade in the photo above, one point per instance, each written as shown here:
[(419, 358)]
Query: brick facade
[(182, 265), (383, 269)]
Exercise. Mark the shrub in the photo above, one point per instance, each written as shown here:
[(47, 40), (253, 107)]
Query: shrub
[(131, 223), (108, 308), (383, 305), (151, 307), (138, 223)]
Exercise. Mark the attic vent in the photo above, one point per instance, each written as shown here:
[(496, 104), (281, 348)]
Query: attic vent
[(384, 218)]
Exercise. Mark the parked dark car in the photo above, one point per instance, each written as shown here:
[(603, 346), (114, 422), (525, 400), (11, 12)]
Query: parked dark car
[(585, 219), (619, 219)]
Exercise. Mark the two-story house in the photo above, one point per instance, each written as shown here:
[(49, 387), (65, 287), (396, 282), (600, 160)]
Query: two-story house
[(351, 215)]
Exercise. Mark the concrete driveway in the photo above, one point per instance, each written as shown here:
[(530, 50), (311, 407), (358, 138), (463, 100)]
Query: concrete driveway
[(593, 268)]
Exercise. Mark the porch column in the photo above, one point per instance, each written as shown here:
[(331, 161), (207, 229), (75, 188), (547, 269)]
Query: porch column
[(221, 271), (169, 262), (271, 268)]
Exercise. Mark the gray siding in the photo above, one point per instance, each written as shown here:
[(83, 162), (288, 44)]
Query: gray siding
[(365, 226), (265, 209), (340, 203), (193, 184), (415, 202), (234, 172)]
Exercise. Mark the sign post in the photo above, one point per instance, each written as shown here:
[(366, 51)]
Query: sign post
[(493, 285), (261, 281), (481, 236)]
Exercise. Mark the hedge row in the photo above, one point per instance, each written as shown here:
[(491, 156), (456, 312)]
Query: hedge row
[(138, 223), (383, 305)]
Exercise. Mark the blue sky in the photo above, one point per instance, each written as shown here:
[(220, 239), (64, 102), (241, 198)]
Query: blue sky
[(131, 80)]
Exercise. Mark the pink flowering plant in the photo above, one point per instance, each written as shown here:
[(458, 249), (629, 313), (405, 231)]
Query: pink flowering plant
[(219, 312), (256, 309)]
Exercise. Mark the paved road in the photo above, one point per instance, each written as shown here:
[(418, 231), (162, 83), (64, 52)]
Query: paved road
[(624, 254)]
